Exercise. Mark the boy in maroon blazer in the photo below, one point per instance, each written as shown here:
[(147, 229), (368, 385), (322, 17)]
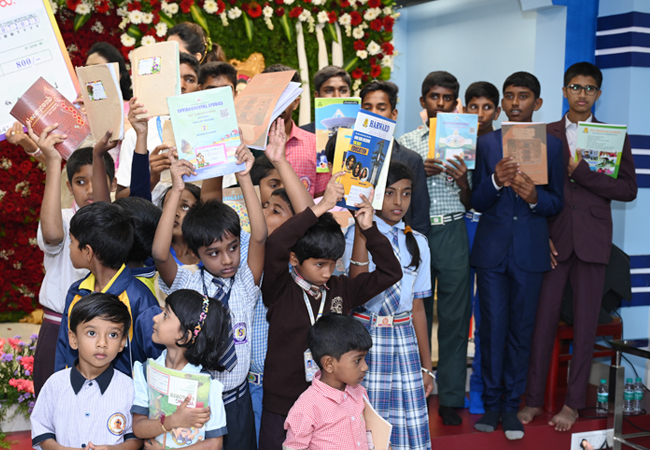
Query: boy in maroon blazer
[(578, 256)]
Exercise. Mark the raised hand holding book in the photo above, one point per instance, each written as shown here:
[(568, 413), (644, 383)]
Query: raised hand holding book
[(100, 89)]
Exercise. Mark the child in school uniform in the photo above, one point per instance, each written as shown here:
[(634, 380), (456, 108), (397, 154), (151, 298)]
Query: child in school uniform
[(399, 363)]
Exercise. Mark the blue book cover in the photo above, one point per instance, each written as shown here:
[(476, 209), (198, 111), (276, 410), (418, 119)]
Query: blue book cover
[(456, 136), (332, 114)]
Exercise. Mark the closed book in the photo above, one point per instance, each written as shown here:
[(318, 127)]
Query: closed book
[(100, 89), (455, 135), (332, 114), (156, 75), (42, 105), (378, 429), (525, 142), (601, 146)]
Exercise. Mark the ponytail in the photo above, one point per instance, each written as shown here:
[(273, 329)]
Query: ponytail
[(413, 247), (396, 172)]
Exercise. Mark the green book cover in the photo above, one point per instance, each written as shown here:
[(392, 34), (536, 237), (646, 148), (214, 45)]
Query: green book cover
[(601, 146)]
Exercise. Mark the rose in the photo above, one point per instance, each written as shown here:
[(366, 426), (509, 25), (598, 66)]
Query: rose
[(357, 73), (332, 16), (355, 18), (359, 45), (186, 5), (254, 10), (377, 24), (387, 48), (375, 71), (374, 3), (388, 24), (295, 12)]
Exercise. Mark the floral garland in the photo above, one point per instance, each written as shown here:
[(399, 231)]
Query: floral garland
[(16, 376)]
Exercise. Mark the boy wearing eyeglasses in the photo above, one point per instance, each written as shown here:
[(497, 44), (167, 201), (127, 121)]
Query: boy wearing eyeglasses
[(577, 257)]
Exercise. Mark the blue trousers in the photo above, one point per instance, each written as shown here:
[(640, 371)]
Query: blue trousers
[(508, 305), (257, 392), (476, 379)]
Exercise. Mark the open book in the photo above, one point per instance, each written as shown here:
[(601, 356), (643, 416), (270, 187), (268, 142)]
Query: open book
[(378, 429)]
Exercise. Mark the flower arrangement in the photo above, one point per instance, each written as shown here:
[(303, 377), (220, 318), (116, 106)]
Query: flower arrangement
[(16, 368)]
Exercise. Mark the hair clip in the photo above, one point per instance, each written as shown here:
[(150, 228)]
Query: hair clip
[(407, 229), (202, 317)]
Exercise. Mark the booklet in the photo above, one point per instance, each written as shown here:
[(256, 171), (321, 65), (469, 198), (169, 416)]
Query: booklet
[(206, 132), (100, 89), (167, 389), (266, 97), (526, 143), (42, 105), (332, 114), (234, 198), (378, 429), (366, 156), (455, 135), (156, 76), (601, 146)]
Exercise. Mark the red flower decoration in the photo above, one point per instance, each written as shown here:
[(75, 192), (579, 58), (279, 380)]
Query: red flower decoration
[(332, 16), (221, 7), (374, 3), (232, 2), (355, 18), (154, 2), (364, 78), (279, 2), (387, 48), (375, 71), (102, 6), (372, 61), (377, 24), (344, 4), (254, 10), (359, 45), (72, 4), (186, 5), (279, 12), (357, 73), (388, 24), (295, 12)]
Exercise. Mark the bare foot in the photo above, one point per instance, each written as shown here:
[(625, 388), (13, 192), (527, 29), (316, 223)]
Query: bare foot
[(564, 420), (528, 413)]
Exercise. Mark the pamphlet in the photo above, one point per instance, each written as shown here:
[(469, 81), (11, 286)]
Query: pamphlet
[(206, 132), (167, 389), (455, 135), (42, 106), (100, 89), (156, 76), (526, 143), (234, 198), (332, 114), (601, 146), (378, 429), (266, 97)]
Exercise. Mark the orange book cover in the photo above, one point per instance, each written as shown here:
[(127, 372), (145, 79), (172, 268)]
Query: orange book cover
[(42, 105), (526, 143)]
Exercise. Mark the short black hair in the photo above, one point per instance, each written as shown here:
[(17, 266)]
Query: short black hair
[(525, 80), (107, 229), (585, 69), (282, 193), (482, 89), (113, 55), (190, 60), (261, 169), (442, 79), (328, 72), (102, 305), (84, 157), (324, 240), (388, 87), (192, 35), (216, 69), (193, 188), (212, 341), (282, 68), (335, 335), (146, 216), (207, 222)]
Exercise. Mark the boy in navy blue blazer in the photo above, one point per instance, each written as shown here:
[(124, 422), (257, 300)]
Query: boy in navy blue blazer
[(511, 252)]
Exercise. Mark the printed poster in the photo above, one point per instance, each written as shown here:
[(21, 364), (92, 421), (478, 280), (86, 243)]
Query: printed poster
[(601, 146)]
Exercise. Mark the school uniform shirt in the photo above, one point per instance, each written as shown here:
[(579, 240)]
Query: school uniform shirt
[(243, 298), (75, 411), (59, 271), (259, 338), (301, 154), (325, 418), (414, 283), (214, 428), (131, 291)]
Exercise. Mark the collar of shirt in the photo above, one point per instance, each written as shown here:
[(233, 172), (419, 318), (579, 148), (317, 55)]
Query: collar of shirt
[(297, 132), (116, 285), (189, 368), (385, 228), (103, 380), (423, 131), (334, 394), (572, 132), (568, 123)]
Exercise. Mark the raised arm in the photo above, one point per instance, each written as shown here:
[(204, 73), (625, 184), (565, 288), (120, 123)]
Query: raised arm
[(16, 136), (101, 192), (359, 250)]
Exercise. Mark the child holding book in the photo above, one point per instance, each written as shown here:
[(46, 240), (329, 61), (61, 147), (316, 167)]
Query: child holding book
[(396, 384), (194, 330)]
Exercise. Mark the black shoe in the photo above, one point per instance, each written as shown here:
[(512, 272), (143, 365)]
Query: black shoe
[(449, 416), (488, 423), (512, 426)]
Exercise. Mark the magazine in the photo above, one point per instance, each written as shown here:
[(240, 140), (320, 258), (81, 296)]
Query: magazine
[(332, 114), (601, 146), (526, 143)]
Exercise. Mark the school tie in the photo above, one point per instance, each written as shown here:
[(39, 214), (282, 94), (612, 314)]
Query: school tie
[(229, 358), (393, 294)]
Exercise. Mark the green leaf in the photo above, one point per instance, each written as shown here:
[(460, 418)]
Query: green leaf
[(330, 27), (199, 18), (165, 18), (134, 32), (350, 65), (285, 24), (385, 74), (80, 20), (249, 26)]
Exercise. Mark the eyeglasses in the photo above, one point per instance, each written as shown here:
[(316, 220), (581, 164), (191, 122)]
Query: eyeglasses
[(589, 90)]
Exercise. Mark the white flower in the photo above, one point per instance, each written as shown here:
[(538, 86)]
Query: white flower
[(55, 7), (135, 17), (269, 23), (373, 48), (348, 30), (210, 6), (304, 15), (97, 27), (357, 33), (322, 17), (288, 2), (123, 23), (171, 9), (318, 2), (372, 14), (224, 19), (82, 9), (147, 18), (148, 40), (345, 19), (233, 13), (161, 29), (267, 12), (356, 85), (311, 24), (127, 41), (387, 61), (122, 11), (363, 54)]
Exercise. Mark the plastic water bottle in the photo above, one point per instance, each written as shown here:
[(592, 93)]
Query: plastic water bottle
[(628, 397), (602, 406), (638, 395)]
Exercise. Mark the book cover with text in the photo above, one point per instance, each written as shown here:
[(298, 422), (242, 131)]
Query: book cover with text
[(601, 146), (526, 143)]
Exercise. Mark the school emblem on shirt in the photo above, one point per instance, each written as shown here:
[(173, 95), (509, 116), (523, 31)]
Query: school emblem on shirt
[(240, 336), (306, 182), (116, 424), (337, 305)]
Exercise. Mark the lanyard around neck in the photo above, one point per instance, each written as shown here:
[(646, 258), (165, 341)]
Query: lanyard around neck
[(311, 311)]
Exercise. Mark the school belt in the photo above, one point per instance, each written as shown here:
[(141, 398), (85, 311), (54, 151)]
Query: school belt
[(256, 378), (233, 394), (446, 218), (52, 317), (473, 216), (376, 320)]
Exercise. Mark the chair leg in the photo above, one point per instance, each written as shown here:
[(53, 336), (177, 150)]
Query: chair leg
[(551, 379)]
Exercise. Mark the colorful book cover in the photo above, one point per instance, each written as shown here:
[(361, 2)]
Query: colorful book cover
[(455, 135), (234, 198), (206, 132), (167, 389), (526, 143), (601, 146), (332, 114), (42, 106), (371, 140)]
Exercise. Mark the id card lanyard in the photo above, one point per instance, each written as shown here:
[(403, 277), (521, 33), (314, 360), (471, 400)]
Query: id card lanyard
[(311, 311)]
